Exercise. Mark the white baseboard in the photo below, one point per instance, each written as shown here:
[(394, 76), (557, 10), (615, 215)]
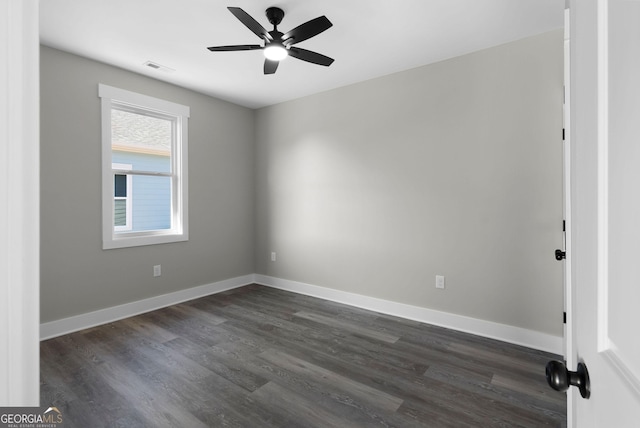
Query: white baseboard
[(506, 333), (104, 316)]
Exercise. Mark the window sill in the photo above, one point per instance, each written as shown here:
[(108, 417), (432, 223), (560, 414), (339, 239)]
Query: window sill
[(138, 241)]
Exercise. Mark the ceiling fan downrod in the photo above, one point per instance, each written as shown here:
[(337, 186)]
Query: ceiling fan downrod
[(275, 15)]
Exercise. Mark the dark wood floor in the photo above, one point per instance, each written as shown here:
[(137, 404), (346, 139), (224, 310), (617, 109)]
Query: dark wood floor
[(259, 357)]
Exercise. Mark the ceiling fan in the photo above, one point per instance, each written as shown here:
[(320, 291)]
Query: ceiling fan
[(277, 45)]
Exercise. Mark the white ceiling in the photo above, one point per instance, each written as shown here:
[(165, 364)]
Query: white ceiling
[(369, 38)]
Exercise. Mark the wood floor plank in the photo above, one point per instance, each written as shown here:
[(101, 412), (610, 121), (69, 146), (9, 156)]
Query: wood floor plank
[(423, 393), (230, 368), (152, 331), (150, 401), (192, 313), (435, 416), (179, 383), (494, 358), (520, 412), (376, 356), (435, 354), (174, 322), (261, 357), (374, 397), (299, 410), (360, 414), (532, 387), (332, 322), (261, 319)]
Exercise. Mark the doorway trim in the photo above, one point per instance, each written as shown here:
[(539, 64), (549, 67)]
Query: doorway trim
[(20, 219)]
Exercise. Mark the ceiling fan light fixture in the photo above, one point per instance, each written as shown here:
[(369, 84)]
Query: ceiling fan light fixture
[(275, 52)]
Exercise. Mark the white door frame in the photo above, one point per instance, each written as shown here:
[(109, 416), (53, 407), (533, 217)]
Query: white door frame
[(20, 196), (569, 353)]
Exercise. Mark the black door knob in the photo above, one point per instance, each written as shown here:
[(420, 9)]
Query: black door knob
[(560, 255), (560, 379)]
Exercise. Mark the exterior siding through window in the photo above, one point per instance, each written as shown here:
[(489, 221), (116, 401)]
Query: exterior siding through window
[(151, 202)]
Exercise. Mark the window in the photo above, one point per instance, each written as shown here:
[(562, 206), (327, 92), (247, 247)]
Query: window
[(144, 169)]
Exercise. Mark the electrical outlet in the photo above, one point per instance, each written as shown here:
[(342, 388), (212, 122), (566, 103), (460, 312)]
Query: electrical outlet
[(273, 256), (157, 270), (440, 281)]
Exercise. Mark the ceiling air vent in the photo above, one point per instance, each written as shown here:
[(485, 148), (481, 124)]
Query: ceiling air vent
[(159, 67)]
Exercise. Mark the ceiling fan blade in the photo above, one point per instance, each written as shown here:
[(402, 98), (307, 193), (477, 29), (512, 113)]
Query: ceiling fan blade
[(234, 48), (270, 67), (310, 56), (307, 30), (250, 23)]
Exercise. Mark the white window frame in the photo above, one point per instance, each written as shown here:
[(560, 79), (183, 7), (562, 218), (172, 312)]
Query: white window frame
[(128, 199), (112, 97)]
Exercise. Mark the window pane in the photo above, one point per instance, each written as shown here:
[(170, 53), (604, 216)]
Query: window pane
[(120, 186), (120, 212), (151, 203), (140, 140)]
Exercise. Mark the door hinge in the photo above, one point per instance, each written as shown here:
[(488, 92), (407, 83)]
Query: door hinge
[(562, 134), (564, 317), (564, 225)]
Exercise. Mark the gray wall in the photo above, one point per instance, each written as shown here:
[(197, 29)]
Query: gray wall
[(77, 276), (453, 168)]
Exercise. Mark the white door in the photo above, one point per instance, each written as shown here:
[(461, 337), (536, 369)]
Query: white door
[(605, 195)]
